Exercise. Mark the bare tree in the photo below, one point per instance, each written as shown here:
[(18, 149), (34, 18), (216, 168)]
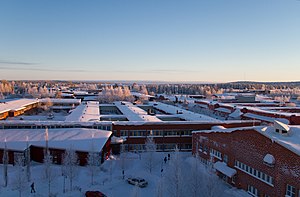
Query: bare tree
[(70, 162), (149, 158)]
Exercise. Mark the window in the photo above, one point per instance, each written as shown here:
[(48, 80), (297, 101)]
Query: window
[(290, 191), (225, 158), (277, 130), (216, 154), (252, 190), (284, 131)]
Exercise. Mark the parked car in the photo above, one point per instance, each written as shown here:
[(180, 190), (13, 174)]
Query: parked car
[(137, 181), (94, 194)]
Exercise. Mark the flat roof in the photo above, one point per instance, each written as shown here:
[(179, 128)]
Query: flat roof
[(134, 113), (78, 138), (182, 113), (85, 112), (15, 105), (62, 101)]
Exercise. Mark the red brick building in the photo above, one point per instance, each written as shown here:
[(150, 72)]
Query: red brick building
[(166, 134), (265, 161), (81, 140)]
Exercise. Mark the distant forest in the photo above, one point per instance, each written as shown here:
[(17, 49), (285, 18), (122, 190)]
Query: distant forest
[(42, 89)]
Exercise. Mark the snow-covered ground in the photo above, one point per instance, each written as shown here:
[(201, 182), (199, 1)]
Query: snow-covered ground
[(109, 178)]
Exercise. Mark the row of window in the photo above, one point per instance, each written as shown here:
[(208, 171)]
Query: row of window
[(252, 190), (159, 147), (103, 127), (290, 191), (255, 173), (216, 153), (154, 133)]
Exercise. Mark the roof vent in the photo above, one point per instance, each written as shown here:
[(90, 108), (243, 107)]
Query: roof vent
[(281, 128)]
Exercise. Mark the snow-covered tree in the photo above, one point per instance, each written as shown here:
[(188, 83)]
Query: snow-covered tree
[(135, 192), (123, 162), (160, 188), (5, 164), (93, 162), (70, 162), (49, 174), (174, 177), (28, 160), (212, 186), (47, 104), (20, 181), (196, 180), (149, 158)]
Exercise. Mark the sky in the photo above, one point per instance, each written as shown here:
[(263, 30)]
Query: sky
[(165, 40)]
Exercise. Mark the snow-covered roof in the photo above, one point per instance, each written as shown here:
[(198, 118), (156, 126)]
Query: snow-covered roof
[(123, 123), (53, 123), (78, 138), (219, 129), (181, 113), (263, 118), (134, 113), (138, 94), (85, 112), (224, 169), (222, 109), (236, 114), (77, 92), (291, 141), (60, 101), (256, 109), (202, 105), (16, 104)]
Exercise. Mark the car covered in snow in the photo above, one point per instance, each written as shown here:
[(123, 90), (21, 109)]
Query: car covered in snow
[(137, 181)]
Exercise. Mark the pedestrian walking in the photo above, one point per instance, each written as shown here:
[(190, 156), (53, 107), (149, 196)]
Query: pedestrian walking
[(32, 188)]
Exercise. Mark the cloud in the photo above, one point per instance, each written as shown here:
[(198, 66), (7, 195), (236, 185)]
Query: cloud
[(17, 63), (41, 69), (172, 71)]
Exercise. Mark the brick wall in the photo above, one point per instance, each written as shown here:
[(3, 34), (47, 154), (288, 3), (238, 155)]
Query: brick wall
[(250, 147)]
